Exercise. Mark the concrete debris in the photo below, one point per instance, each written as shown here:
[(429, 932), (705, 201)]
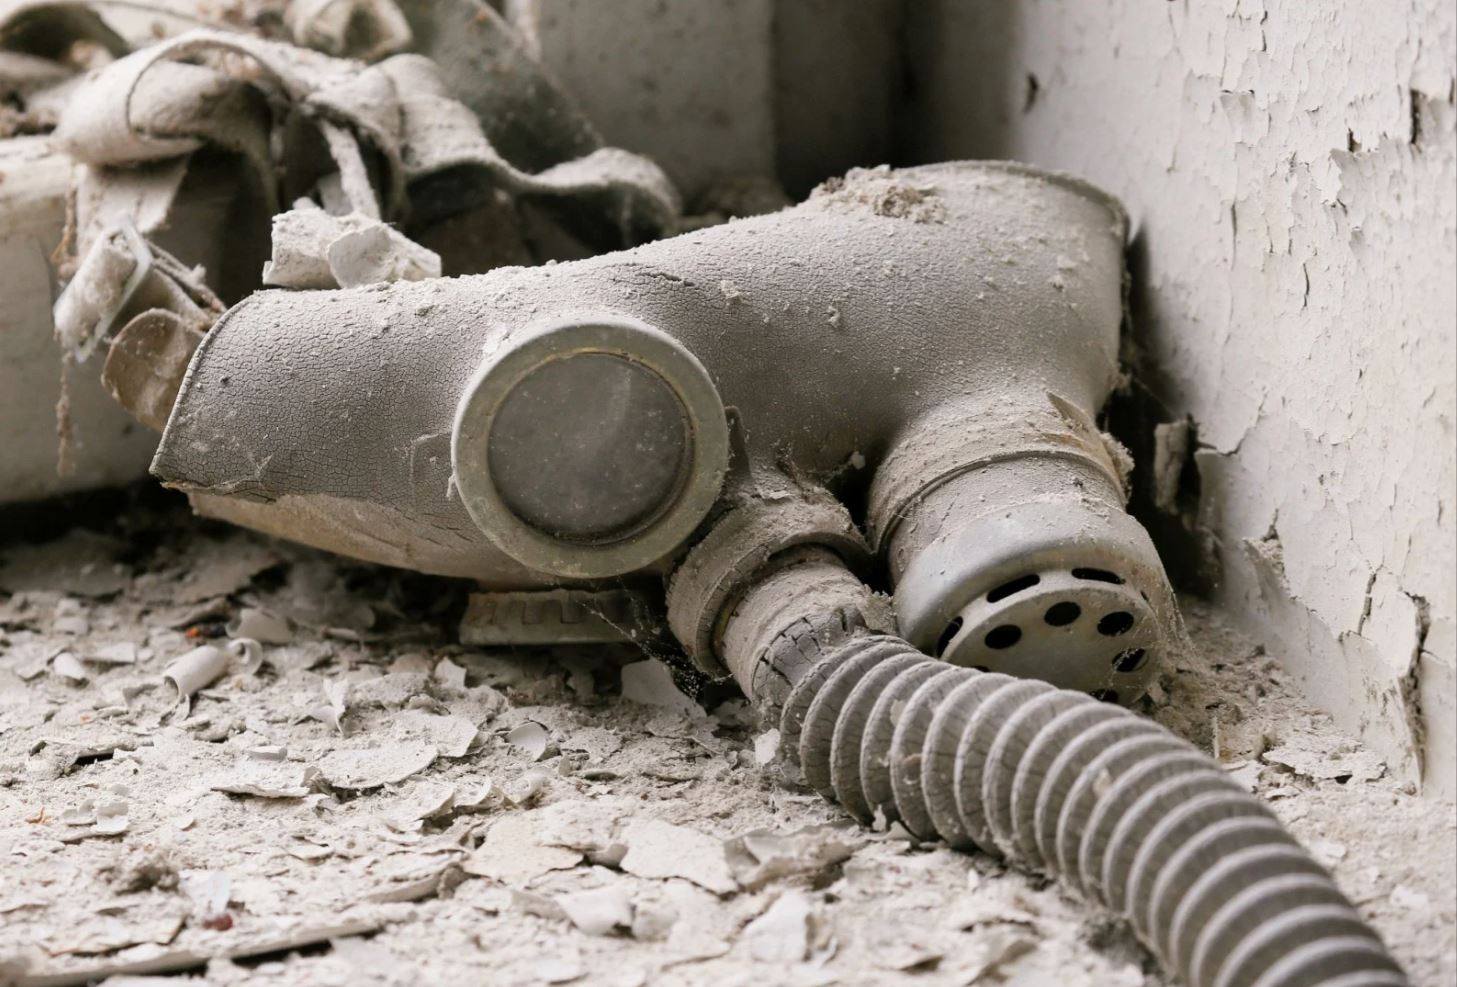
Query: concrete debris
[(1326, 852), (588, 826), (1405, 897), (645, 845), (81, 815), (908, 952), (393, 690), (378, 253), (475, 796), (142, 871)]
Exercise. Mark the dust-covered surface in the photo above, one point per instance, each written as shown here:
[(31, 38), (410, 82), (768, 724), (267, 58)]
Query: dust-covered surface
[(375, 804)]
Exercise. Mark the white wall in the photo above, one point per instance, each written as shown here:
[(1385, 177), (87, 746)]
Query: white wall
[(727, 90), (1290, 170)]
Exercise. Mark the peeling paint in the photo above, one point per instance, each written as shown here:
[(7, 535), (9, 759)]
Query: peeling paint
[(1290, 170)]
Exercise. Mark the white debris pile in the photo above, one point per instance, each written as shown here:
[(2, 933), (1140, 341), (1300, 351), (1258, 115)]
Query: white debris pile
[(351, 796)]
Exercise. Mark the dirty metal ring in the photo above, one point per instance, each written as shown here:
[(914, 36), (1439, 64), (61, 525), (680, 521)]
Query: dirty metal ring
[(745, 539), (590, 447)]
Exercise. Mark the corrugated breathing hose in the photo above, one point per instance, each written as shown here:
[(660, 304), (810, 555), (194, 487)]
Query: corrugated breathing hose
[(1058, 782), (1051, 779)]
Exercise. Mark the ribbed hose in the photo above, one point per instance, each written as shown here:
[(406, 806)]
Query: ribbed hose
[(1058, 782)]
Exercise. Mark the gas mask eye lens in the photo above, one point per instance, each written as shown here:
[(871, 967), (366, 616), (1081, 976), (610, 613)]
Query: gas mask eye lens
[(589, 447)]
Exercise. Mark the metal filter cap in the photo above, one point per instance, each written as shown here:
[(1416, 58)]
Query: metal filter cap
[(590, 448)]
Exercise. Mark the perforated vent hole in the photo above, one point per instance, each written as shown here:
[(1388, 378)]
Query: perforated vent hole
[(1098, 576), (1116, 623), (1015, 586), (952, 629), (1105, 695), (1062, 614), (1130, 661), (1003, 637)]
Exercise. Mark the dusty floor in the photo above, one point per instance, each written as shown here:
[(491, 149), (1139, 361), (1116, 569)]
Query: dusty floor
[(374, 804)]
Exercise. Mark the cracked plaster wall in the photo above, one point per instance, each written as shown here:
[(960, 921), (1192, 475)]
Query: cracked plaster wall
[(1290, 171)]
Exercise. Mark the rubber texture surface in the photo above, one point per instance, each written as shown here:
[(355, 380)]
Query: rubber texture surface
[(1056, 781)]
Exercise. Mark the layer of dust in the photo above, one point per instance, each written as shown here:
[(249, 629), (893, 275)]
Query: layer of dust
[(373, 804), (884, 194)]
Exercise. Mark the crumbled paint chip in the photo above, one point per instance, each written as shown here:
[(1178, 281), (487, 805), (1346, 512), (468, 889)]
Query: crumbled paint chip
[(530, 738), (1324, 760), (267, 779), (660, 849), (600, 911), (117, 653), (766, 748), (69, 667), (195, 670), (513, 853), (423, 800), (371, 767), (261, 626), (782, 933), (560, 970), (650, 683), (525, 787), (449, 673), (452, 736)]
